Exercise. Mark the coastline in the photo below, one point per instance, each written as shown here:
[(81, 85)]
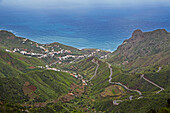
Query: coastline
[(71, 45), (79, 48), (72, 42)]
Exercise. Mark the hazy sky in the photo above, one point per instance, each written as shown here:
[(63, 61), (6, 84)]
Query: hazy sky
[(79, 3)]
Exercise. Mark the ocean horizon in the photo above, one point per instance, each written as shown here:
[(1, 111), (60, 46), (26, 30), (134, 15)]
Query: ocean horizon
[(104, 28)]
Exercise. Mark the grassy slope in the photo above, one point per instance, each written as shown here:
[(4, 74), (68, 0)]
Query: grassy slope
[(11, 90), (150, 100), (146, 54), (7, 70), (132, 80), (84, 67), (144, 105), (50, 84), (14, 72), (152, 48), (12, 63), (87, 68), (100, 81)]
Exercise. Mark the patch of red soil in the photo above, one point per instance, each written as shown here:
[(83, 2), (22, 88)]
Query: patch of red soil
[(9, 63), (31, 67), (29, 90), (33, 88), (26, 84)]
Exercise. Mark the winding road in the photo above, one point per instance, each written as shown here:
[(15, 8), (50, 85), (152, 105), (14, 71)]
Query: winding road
[(118, 83), (159, 69), (130, 98), (116, 102), (95, 70), (142, 76)]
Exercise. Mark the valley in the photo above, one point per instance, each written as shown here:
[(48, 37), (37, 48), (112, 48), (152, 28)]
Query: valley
[(58, 78)]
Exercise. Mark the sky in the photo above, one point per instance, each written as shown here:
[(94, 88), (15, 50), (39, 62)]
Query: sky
[(67, 4)]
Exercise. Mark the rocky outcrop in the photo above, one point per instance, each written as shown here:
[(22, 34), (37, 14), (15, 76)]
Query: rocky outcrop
[(137, 34)]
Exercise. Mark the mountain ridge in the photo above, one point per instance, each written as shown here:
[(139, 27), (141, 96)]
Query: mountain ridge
[(143, 45)]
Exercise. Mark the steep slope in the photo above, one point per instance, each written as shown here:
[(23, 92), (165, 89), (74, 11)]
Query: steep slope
[(39, 86), (22, 80), (152, 97), (11, 90), (7, 70), (49, 84), (143, 49), (104, 93), (148, 55), (85, 67), (16, 62), (96, 73)]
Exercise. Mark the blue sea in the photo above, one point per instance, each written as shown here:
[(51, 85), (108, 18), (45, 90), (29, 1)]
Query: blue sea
[(102, 28)]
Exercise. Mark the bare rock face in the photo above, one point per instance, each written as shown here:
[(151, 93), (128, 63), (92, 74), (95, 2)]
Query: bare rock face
[(137, 34)]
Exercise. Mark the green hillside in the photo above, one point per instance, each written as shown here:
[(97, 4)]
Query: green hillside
[(142, 50), (87, 68), (46, 85), (150, 99), (103, 97), (133, 79), (50, 84), (20, 74), (7, 70), (15, 61)]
